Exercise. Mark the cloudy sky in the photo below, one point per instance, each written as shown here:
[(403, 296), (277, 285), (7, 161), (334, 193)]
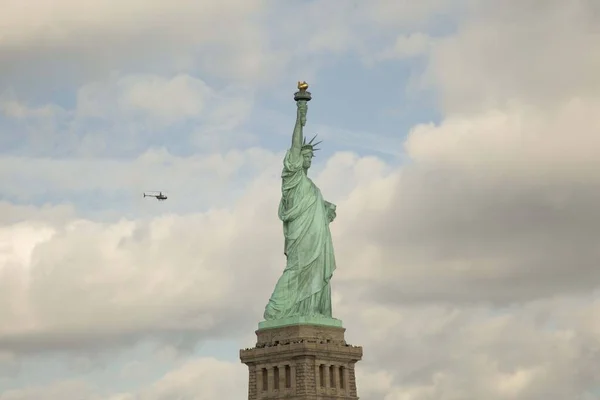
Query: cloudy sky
[(461, 145)]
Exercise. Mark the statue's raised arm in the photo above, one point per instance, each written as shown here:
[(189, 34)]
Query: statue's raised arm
[(301, 97)]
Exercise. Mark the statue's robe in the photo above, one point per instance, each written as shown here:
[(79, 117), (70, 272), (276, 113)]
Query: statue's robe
[(304, 288)]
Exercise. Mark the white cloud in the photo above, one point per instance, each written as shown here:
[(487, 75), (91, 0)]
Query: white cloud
[(193, 183), (223, 38), (507, 51), (512, 162), (64, 22), (68, 390), (401, 14), (124, 113), (439, 352), (119, 287), (244, 41), (11, 213), (164, 101), (158, 99), (16, 109), (198, 379), (407, 46), (520, 143)]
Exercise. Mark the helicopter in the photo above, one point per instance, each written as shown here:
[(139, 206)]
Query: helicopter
[(160, 196)]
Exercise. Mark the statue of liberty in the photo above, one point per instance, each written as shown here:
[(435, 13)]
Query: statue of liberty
[(304, 288)]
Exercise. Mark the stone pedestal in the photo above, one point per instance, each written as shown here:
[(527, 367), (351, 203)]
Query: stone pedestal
[(301, 362)]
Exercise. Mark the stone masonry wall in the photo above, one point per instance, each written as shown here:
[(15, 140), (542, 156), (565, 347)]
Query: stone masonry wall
[(252, 395), (305, 376), (352, 381)]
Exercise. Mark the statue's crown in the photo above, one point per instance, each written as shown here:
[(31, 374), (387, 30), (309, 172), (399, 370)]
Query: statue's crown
[(310, 145)]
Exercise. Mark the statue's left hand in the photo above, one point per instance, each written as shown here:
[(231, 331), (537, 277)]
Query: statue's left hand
[(332, 216), (331, 212)]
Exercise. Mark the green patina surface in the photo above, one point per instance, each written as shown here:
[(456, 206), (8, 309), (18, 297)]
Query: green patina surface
[(303, 292), (300, 320)]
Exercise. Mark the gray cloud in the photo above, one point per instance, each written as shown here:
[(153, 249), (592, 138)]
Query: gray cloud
[(500, 205), (165, 37), (241, 41), (519, 51)]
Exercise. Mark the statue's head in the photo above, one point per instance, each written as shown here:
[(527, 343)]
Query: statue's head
[(307, 155), (308, 151)]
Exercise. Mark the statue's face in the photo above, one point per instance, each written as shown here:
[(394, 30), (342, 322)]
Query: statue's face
[(307, 156)]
